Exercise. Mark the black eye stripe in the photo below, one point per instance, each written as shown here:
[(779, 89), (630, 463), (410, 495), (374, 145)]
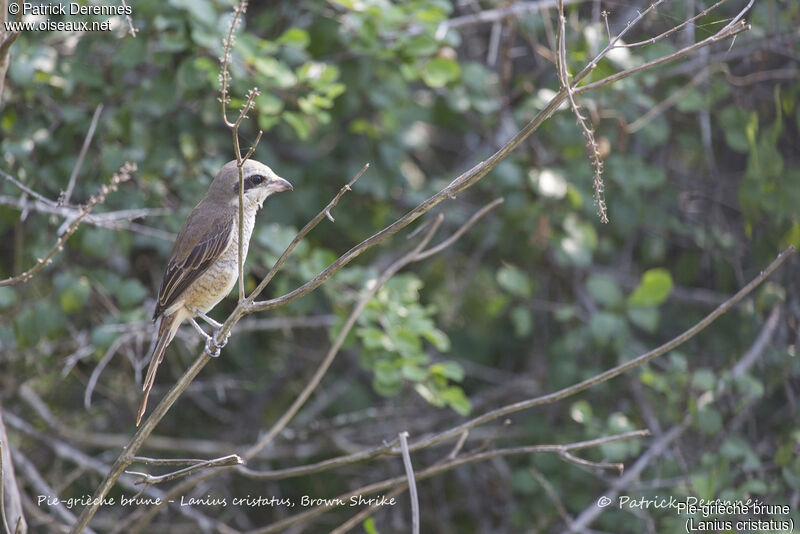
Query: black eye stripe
[(250, 182)]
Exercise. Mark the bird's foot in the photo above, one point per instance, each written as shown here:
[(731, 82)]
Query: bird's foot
[(212, 349), (213, 344)]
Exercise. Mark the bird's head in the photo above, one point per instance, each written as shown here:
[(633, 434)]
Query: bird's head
[(259, 182)]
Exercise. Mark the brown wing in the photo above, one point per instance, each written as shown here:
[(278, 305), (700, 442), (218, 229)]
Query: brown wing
[(188, 263)]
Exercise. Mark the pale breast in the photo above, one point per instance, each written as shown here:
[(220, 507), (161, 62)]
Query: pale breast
[(220, 277)]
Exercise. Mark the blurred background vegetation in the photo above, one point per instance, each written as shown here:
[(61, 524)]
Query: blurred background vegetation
[(702, 171)]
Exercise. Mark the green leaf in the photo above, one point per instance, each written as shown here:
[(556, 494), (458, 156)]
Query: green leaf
[(449, 369), (709, 420), (130, 293), (438, 72), (514, 281), (654, 288), (369, 526), (734, 121), (692, 100), (414, 373), (606, 326), (704, 484), (455, 398), (299, 123), (438, 339), (754, 486), (296, 37), (704, 379), (645, 318), (269, 104), (522, 321), (784, 454), (604, 290), (581, 412), (73, 291), (278, 72)]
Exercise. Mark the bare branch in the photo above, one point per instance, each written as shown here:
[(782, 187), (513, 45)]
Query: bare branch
[(121, 176), (224, 74), (673, 29), (494, 15), (588, 133), (27, 189), (598, 465), (145, 478), (412, 485), (86, 142), (129, 20)]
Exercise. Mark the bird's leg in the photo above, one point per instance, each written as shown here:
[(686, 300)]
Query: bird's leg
[(198, 328), (210, 341), (209, 320)]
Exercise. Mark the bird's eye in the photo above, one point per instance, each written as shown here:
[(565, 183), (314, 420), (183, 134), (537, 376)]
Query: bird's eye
[(257, 179)]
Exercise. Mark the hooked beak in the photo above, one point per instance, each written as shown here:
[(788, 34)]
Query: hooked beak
[(278, 184)]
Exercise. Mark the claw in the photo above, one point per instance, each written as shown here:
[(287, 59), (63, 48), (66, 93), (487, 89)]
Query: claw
[(213, 344), (212, 349)]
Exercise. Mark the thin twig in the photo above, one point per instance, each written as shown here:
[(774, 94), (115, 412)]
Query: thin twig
[(588, 132), (224, 75), (727, 33), (673, 29), (128, 18), (98, 369), (598, 465), (27, 189), (86, 142), (121, 176), (412, 485), (459, 445), (146, 478)]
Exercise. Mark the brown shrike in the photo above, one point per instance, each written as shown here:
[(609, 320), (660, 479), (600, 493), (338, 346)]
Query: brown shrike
[(204, 264)]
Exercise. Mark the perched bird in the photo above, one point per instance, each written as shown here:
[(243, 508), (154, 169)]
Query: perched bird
[(204, 264)]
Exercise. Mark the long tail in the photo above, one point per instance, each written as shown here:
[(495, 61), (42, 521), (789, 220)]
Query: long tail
[(166, 331)]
